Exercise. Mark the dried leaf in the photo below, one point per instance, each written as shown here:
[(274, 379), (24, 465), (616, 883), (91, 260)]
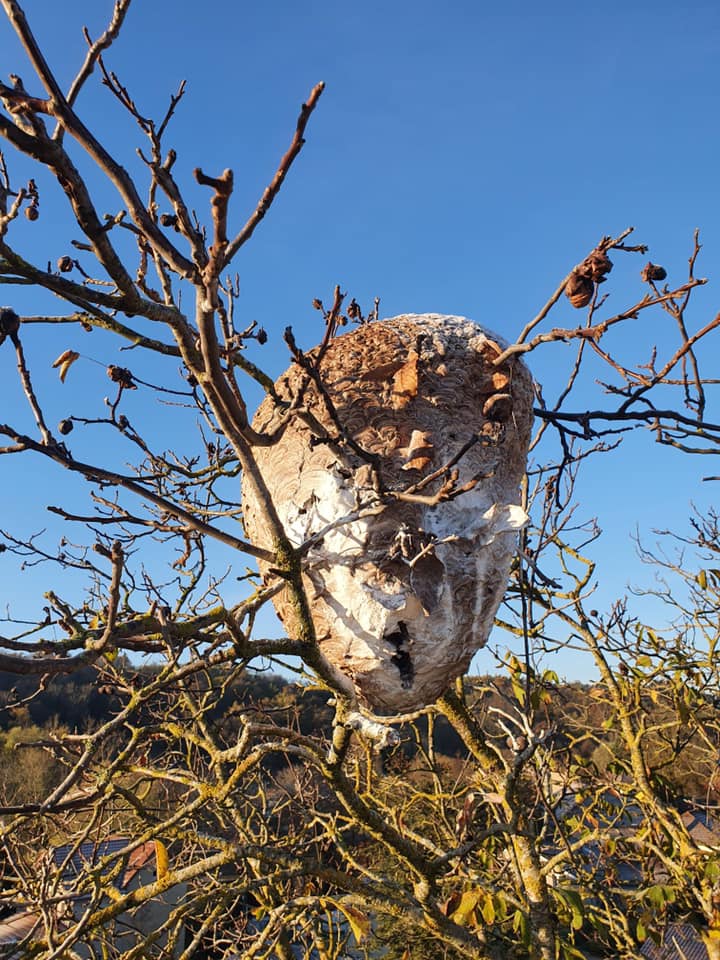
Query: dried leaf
[(500, 380), (420, 440), (452, 903), (419, 451), (64, 356), (65, 361), (359, 922), (490, 797), (405, 382), (417, 463)]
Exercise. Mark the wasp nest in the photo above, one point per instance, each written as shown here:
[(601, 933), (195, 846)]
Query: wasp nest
[(419, 533)]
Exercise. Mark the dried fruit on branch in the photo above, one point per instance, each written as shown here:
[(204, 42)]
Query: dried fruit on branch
[(596, 265), (122, 376), (9, 322), (581, 286), (579, 289), (401, 596), (653, 272)]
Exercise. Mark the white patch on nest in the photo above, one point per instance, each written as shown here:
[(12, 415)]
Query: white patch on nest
[(369, 607)]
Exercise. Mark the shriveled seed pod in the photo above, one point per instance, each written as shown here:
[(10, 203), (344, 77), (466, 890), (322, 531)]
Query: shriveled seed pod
[(654, 272), (9, 322), (122, 376), (402, 596), (579, 289), (596, 265)]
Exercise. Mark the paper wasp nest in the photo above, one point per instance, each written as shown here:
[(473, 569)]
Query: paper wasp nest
[(405, 591)]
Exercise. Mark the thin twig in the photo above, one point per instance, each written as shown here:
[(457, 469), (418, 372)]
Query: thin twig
[(271, 191)]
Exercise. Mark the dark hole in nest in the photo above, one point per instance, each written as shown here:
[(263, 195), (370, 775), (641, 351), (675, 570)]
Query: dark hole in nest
[(400, 638)]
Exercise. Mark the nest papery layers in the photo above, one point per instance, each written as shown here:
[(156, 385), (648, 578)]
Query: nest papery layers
[(404, 593)]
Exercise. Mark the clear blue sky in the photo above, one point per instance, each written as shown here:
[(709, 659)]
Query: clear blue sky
[(463, 157)]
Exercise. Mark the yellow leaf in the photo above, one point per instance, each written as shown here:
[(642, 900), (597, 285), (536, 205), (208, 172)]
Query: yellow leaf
[(359, 922), (488, 910), (702, 580), (468, 902), (65, 361)]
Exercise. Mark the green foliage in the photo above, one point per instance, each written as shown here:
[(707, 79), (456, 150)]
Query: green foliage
[(27, 773)]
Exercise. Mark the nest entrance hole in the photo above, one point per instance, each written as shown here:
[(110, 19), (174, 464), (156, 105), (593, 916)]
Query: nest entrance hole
[(400, 638)]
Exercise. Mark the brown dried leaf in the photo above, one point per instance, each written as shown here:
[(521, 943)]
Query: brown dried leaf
[(65, 361), (417, 463), (359, 922), (405, 382), (419, 440), (500, 380), (452, 903)]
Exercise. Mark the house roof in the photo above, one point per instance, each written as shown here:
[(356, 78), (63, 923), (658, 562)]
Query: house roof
[(681, 941), (75, 860), (16, 928), (701, 827)]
